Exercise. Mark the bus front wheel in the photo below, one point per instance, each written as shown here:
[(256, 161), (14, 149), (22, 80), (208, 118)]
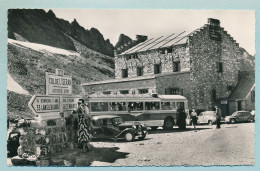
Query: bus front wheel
[(168, 123)]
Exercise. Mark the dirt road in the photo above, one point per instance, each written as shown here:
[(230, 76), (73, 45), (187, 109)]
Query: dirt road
[(230, 145)]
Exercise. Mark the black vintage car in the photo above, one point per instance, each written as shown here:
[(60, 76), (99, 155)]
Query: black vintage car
[(113, 127)]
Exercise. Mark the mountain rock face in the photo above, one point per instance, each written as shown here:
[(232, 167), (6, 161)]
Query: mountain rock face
[(37, 26), (123, 39), (124, 43)]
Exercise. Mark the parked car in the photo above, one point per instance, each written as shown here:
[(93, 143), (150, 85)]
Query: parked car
[(13, 143), (207, 117), (113, 127), (240, 116)]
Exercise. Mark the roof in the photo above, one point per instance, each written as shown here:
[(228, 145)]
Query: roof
[(162, 42), (104, 117), (242, 89), (159, 42)]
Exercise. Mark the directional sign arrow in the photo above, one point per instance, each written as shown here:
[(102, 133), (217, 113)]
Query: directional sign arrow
[(44, 104)]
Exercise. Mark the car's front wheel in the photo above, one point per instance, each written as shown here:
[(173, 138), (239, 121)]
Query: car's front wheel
[(210, 122), (129, 136), (232, 121)]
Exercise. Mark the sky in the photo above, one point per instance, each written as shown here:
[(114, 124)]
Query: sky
[(240, 24)]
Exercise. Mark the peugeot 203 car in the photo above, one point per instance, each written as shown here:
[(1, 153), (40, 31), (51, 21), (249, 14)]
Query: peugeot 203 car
[(240, 116), (113, 127)]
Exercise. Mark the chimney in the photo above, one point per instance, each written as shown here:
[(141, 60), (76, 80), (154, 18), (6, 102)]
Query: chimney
[(213, 22), (141, 38)]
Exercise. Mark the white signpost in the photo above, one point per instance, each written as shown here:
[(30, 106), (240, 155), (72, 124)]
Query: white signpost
[(58, 98), (58, 83)]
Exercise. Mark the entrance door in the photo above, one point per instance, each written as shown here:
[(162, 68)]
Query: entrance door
[(239, 105)]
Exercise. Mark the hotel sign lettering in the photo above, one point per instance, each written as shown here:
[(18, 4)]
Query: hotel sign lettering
[(58, 83)]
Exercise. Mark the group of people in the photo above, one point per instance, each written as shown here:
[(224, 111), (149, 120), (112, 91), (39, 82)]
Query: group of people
[(218, 117)]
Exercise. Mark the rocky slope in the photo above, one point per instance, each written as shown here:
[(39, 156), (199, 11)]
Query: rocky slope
[(37, 26), (28, 62)]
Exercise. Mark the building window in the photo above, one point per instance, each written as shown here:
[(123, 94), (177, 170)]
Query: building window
[(173, 91), (139, 71), (157, 68), (107, 92), (219, 66), (214, 94), (176, 66), (253, 96), (143, 91), (124, 92), (124, 73), (230, 88)]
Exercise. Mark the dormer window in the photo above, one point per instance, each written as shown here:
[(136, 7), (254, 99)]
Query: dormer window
[(169, 50), (162, 51)]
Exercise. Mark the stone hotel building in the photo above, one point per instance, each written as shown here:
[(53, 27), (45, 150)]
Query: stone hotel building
[(204, 66)]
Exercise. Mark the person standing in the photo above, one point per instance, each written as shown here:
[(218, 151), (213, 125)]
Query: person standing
[(194, 118), (181, 119), (84, 126), (218, 116)]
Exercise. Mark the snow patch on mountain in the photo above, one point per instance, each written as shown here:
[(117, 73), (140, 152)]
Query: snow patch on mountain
[(42, 48), (12, 85)]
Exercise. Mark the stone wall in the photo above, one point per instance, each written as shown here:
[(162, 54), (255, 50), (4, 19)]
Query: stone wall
[(46, 138), (149, 58), (177, 81), (205, 53)]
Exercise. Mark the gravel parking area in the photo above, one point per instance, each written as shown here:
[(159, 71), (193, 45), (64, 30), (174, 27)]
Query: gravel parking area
[(230, 145)]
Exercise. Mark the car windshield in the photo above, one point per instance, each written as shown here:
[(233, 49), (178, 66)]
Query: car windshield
[(234, 114)]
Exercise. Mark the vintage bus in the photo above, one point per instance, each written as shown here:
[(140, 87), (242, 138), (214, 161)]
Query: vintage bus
[(152, 110)]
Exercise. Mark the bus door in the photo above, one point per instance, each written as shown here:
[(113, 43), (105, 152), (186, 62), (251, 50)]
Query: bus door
[(152, 114)]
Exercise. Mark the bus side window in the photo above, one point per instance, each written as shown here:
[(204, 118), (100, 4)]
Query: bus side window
[(114, 106), (99, 106), (173, 105), (180, 104), (152, 105), (122, 106), (166, 106)]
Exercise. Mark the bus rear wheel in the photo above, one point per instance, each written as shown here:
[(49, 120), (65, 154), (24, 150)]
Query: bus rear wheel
[(168, 123)]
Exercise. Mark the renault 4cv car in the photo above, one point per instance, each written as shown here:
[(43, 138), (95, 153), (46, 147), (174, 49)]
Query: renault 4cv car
[(240, 116), (207, 117), (113, 127)]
